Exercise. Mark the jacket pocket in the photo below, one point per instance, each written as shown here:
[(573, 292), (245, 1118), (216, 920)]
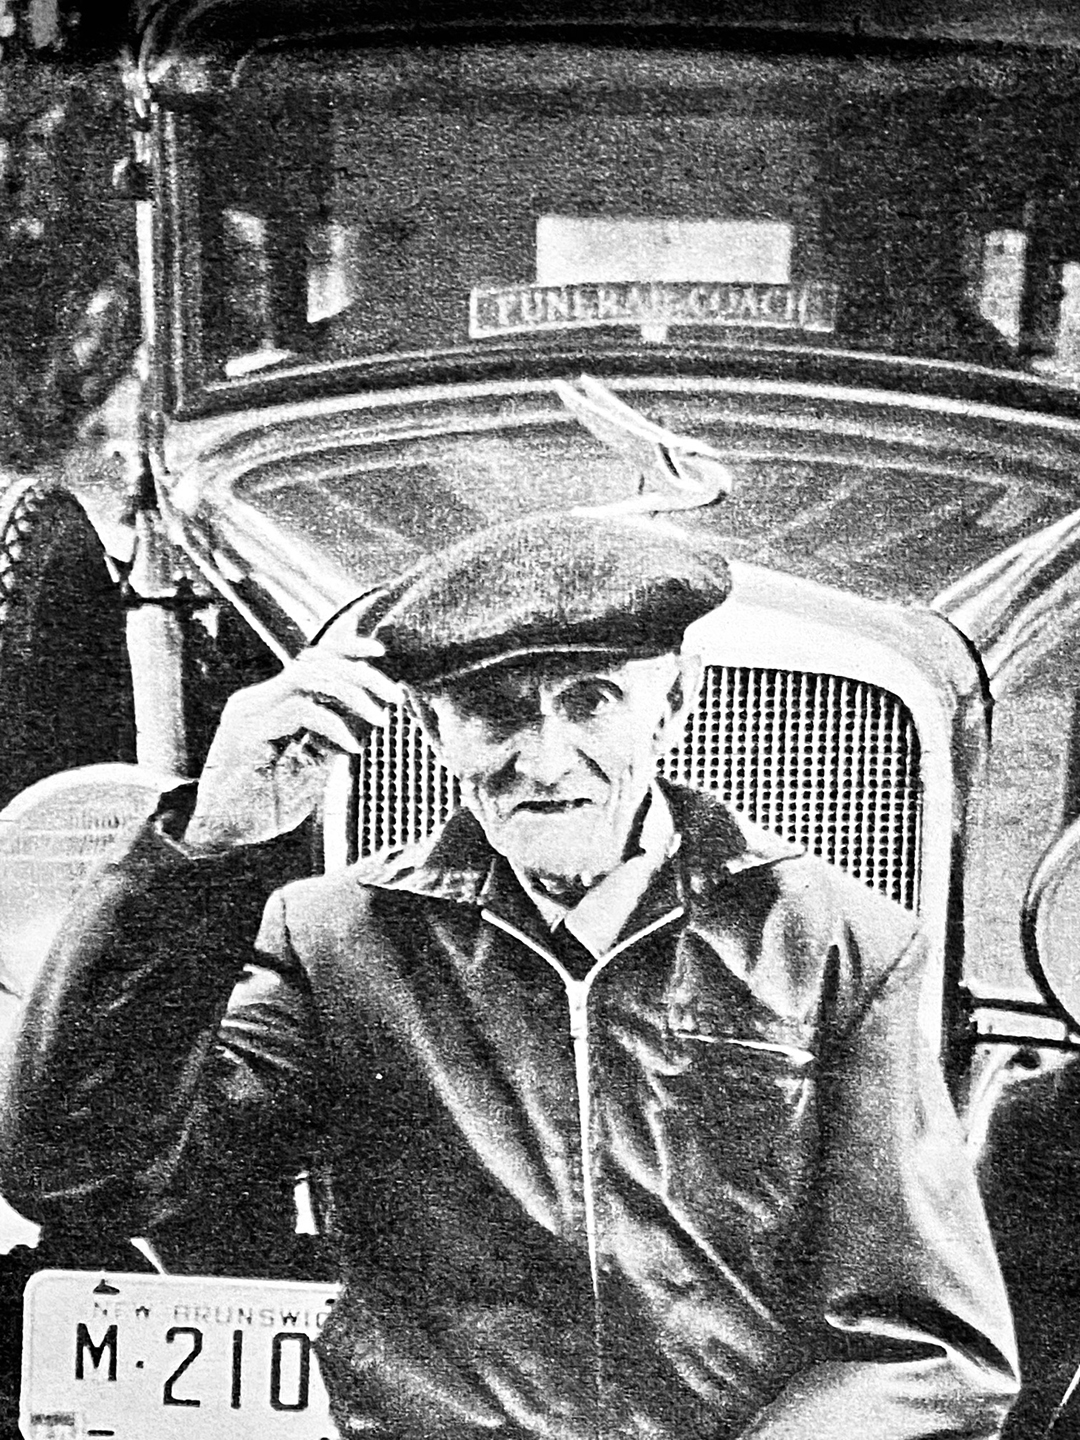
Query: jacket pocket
[(737, 1121), (796, 1054)]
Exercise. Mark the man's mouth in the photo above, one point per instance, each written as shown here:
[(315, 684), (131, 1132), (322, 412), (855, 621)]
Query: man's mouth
[(549, 807)]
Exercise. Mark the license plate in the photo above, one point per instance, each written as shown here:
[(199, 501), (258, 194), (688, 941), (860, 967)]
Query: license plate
[(129, 1357)]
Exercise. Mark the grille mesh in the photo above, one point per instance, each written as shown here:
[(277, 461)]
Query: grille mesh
[(828, 762)]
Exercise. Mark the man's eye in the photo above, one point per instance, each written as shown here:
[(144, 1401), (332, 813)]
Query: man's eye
[(586, 700), (511, 713), (488, 701), (503, 713)]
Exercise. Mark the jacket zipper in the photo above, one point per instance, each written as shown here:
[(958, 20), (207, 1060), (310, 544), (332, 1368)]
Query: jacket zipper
[(577, 998)]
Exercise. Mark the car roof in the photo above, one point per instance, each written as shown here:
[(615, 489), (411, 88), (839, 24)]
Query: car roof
[(161, 26)]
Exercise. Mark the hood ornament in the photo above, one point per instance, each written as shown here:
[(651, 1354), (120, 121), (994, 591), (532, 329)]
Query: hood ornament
[(675, 472)]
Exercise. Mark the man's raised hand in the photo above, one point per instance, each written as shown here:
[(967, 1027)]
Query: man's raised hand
[(267, 765)]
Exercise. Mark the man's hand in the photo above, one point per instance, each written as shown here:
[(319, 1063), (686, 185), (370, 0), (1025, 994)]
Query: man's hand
[(267, 765)]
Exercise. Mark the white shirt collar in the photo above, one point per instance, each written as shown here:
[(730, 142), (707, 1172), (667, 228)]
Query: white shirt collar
[(601, 913)]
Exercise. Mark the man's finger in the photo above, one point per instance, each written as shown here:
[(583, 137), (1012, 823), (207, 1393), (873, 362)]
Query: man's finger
[(302, 714), (341, 636), (360, 707), (342, 675)]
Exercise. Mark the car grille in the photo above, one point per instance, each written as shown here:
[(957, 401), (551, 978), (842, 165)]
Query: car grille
[(828, 762)]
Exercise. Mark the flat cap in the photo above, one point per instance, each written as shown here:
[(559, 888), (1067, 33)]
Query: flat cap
[(566, 583)]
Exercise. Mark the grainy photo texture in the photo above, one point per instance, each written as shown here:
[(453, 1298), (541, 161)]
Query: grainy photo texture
[(539, 863)]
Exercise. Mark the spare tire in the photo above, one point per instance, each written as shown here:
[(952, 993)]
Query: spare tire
[(65, 684)]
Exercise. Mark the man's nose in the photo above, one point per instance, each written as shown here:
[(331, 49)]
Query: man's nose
[(546, 750)]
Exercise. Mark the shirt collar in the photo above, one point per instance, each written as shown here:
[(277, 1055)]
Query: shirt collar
[(599, 916)]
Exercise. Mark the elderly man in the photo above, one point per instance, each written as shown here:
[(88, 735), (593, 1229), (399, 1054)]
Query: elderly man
[(622, 1117)]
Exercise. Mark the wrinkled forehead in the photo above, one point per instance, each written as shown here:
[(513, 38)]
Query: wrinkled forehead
[(533, 675)]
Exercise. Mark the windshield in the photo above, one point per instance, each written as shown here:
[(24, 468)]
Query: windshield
[(391, 201)]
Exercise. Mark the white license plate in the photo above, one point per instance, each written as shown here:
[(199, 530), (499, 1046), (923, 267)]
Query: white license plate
[(130, 1357)]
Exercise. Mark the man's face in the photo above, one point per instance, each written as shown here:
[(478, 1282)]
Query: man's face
[(555, 757)]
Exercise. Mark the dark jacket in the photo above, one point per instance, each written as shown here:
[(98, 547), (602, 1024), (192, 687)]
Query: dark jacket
[(715, 1189)]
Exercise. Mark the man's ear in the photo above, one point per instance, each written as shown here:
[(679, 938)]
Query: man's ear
[(420, 709), (681, 699)]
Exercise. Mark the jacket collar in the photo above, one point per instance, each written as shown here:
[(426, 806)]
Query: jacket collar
[(459, 864)]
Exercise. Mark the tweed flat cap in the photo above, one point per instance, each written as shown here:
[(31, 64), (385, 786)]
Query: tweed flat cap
[(546, 583)]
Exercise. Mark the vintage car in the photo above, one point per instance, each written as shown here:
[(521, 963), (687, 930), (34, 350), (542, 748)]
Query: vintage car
[(812, 285)]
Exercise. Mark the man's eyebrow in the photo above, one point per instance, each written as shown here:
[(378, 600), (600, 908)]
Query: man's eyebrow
[(591, 677)]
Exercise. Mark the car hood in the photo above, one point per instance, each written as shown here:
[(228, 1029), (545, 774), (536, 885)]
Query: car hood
[(894, 496)]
